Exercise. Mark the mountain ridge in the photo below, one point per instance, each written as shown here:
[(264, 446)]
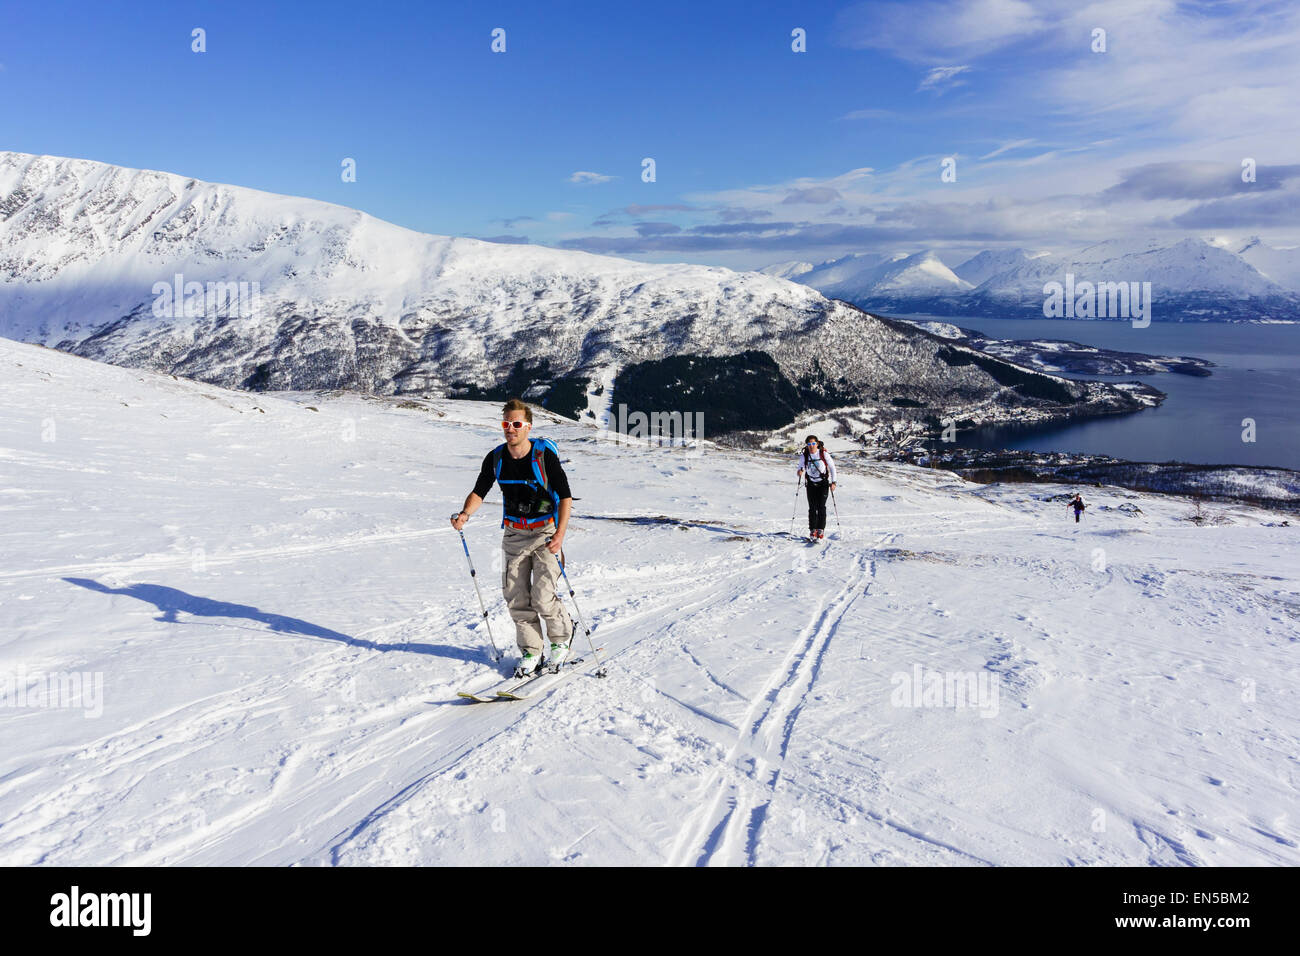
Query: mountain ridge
[(345, 300)]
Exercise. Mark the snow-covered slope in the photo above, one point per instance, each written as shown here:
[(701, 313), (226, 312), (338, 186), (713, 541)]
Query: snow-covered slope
[(278, 617)]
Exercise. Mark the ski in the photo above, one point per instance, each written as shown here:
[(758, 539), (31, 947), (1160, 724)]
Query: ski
[(511, 687), (490, 693), (524, 689), (530, 686)]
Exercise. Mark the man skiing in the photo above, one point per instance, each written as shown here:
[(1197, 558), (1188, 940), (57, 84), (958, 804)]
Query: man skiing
[(815, 465), (1077, 504), (535, 508)]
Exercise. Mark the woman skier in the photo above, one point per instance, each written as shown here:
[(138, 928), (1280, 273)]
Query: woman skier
[(818, 470)]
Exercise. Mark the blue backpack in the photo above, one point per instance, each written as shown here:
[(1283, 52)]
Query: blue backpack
[(537, 483)]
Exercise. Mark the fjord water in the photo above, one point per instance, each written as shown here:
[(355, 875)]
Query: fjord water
[(1256, 375)]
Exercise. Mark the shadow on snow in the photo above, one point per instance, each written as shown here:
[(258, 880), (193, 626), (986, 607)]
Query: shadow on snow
[(172, 601)]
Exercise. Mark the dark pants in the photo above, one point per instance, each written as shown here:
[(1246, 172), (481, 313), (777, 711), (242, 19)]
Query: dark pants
[(1077, 512), (817, 492)]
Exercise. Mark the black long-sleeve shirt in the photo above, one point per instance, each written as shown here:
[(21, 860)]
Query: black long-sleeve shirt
[(520, 500)]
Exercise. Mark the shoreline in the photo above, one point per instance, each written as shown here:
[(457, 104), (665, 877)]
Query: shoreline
[(1271, 487)]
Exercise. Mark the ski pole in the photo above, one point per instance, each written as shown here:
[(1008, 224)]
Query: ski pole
[(474, 577), (600, 670), (798, 483), (837, 510)]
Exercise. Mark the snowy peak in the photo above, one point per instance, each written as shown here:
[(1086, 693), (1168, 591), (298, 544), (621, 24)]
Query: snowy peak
[(846, 269), (983, 266), (1278, 265), (922, 273), (787, 270), (858, 277)]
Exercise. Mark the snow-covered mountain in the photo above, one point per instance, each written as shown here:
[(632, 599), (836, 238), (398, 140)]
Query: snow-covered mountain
[(230, 638), (983, 266), (343, 299), (1280, 265), (1183, 269), (1190, 278), (879, 278), (99, 260), (787, 270)]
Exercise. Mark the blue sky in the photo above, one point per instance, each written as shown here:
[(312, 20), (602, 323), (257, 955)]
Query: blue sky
[(762, 154)]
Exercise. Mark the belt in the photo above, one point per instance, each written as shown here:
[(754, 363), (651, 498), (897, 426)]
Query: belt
[(525, 526)]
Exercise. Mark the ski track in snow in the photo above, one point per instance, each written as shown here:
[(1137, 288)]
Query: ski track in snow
[(734, 838), (292, 700)]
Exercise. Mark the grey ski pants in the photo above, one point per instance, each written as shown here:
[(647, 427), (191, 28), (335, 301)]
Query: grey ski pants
[(530, 575)]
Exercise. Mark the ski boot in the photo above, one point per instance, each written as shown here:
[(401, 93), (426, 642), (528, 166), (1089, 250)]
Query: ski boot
[(528, 665), (559, 654)]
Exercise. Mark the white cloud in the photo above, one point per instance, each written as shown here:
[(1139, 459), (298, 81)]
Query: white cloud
[(559, 216), (941, 75), (868, 114), (582, 176), (1179, 80), (1008, 147), (921, 30), (1191, 80), (1053, 127)]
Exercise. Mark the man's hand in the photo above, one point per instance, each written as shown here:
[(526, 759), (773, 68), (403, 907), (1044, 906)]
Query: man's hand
[(554, 544), (799, 472), (832, 486), (458, 520)]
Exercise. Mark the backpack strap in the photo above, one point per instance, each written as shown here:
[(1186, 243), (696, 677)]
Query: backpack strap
[(540, 447), (821, 453), (539, 464)]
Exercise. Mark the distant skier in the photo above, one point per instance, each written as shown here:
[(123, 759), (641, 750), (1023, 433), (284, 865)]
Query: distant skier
[(535, 508), (818, 469), (1077, 504)]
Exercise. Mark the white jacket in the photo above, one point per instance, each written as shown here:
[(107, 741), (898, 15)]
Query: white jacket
[(816, 472)]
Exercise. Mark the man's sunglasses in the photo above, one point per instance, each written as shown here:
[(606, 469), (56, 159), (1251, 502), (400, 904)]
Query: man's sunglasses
[(513, 424)]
